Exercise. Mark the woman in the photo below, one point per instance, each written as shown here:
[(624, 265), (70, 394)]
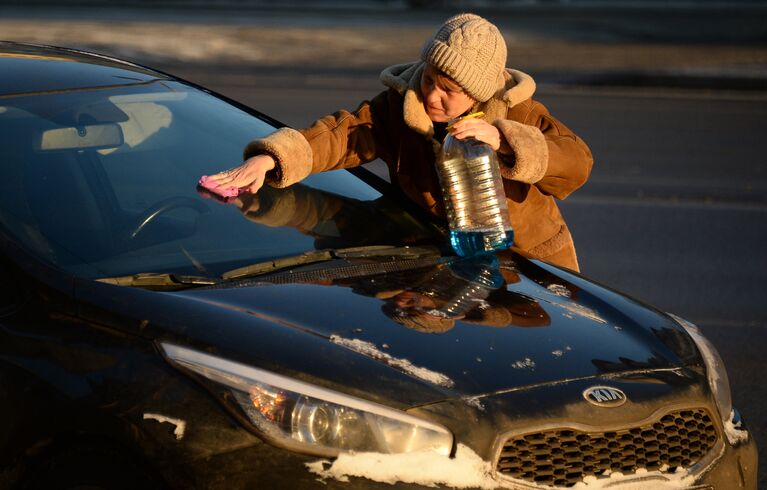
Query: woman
[(462, 70)]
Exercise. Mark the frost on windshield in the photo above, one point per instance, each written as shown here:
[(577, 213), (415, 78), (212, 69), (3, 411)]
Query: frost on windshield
[(370, 350)]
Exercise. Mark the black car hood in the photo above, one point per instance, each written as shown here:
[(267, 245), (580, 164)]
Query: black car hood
[(465, 326)]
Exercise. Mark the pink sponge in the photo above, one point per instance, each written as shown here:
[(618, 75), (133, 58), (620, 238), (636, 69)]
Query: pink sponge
[(220, 190)]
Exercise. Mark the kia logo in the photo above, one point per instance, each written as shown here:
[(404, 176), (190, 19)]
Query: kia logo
[(605, 396)]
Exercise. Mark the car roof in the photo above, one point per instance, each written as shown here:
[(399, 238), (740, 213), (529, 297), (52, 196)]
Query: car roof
[(45, 69)]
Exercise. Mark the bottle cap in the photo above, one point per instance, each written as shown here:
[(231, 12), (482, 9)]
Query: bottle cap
[(468, 116)]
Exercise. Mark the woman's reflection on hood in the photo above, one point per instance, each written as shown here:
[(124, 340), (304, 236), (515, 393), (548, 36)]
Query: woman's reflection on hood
[(430, 299)]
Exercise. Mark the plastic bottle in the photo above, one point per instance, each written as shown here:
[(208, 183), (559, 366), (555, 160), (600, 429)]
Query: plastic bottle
[(475, 202)]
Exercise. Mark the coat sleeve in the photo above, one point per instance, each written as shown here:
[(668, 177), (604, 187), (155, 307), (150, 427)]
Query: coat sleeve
[(340, 140), (542, 151)]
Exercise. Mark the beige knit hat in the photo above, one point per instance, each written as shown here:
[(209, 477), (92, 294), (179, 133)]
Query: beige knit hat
[(471, 51)]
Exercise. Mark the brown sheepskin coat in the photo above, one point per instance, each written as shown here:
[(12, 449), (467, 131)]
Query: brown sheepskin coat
[(546, 161)]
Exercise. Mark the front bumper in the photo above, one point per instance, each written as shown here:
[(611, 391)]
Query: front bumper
[(218, 452), (735, 468), (508, 417), (263, 466)]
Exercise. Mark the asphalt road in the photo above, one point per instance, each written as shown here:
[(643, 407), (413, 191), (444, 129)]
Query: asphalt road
[(675, 212)]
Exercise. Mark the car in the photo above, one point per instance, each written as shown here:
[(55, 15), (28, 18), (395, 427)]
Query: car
[(153, 335)]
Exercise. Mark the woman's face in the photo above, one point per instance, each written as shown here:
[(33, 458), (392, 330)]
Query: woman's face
[(443, 99)]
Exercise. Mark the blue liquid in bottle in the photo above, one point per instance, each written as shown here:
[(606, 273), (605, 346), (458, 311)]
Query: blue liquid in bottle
[(475, 202), (468, 243)]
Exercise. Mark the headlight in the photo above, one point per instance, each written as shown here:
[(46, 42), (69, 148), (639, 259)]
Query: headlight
[(307, 418), (717, 375)]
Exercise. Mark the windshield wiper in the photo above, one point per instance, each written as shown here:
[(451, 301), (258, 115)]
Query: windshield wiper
[(372, 251), (160, 281), (169, 282)]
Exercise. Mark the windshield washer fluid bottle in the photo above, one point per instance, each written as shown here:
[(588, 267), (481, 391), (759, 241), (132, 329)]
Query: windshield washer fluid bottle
[(475, 202)]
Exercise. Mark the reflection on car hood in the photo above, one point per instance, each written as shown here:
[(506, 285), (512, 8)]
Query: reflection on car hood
[(473, 326)]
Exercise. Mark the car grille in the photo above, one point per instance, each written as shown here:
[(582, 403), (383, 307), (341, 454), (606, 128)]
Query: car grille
[(563, 457)]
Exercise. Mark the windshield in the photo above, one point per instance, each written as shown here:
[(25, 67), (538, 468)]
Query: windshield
[(102, 183)]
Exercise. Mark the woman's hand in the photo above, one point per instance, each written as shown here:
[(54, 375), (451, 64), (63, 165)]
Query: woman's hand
[(250, 175), (478, 129)]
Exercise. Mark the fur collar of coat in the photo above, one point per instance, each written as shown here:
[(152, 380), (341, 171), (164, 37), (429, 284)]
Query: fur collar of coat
[(406, 78)]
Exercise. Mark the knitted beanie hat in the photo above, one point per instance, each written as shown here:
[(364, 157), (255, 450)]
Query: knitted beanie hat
[(471, 51)]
